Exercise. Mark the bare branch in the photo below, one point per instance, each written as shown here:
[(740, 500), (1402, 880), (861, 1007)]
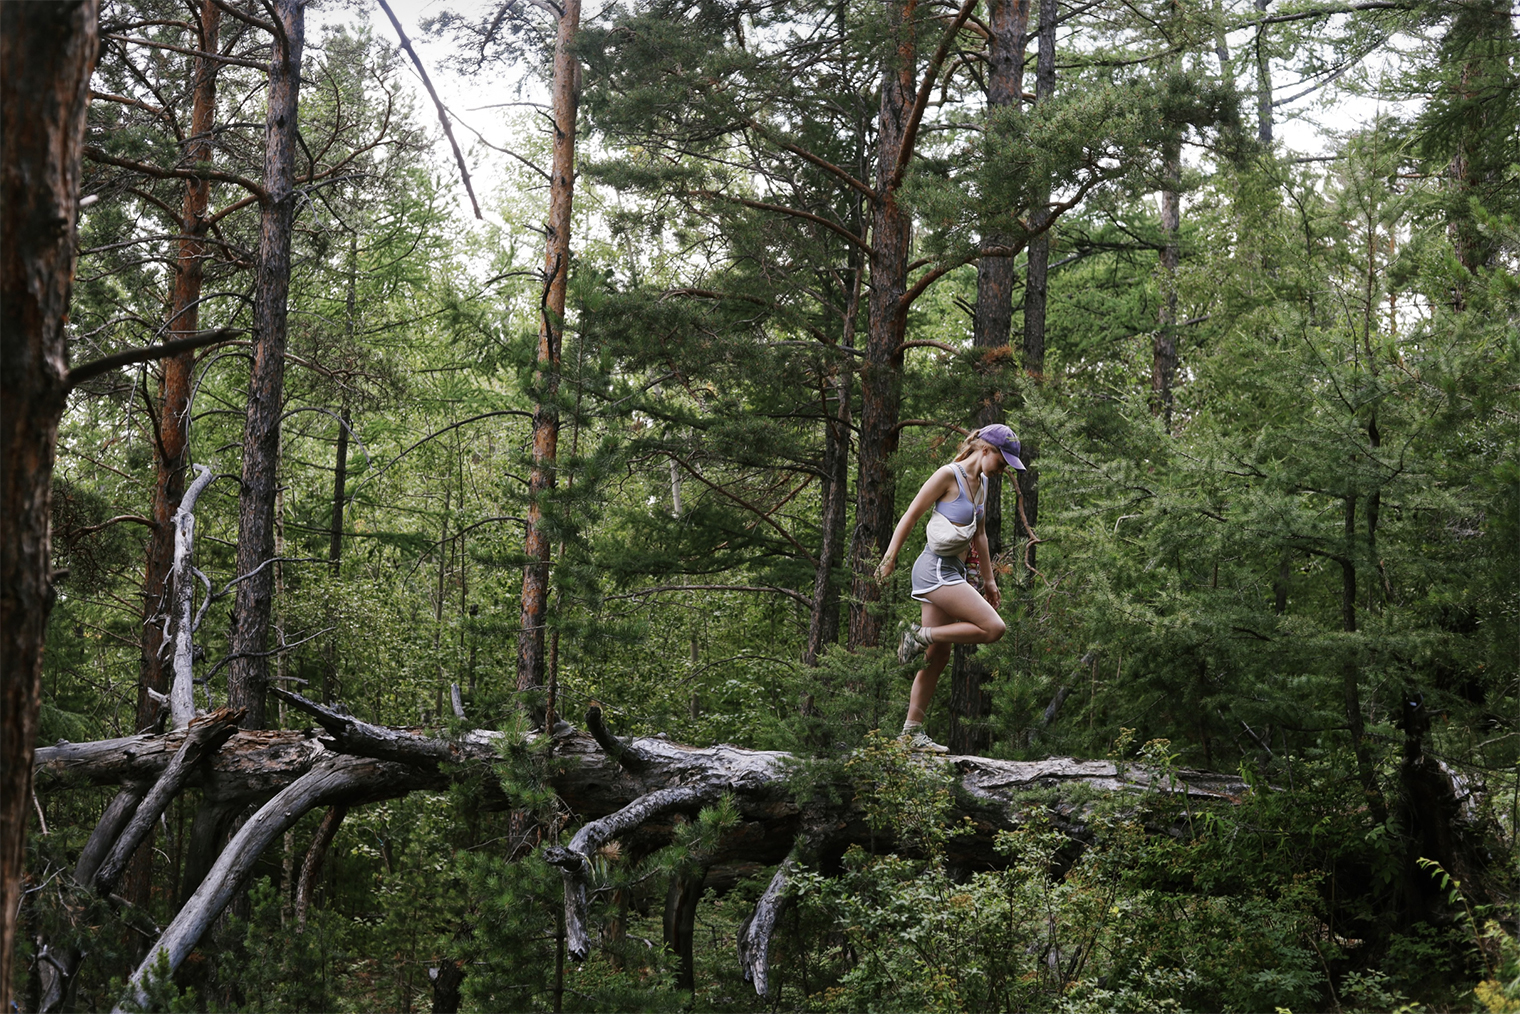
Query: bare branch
[(79, 374), (443, 116)]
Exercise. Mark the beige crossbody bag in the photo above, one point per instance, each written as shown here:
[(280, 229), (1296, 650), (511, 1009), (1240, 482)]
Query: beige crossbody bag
[(947, 538)]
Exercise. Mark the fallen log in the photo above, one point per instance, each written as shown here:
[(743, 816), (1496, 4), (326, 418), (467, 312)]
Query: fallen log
[(204, 734), (337, 779), (637, 791)]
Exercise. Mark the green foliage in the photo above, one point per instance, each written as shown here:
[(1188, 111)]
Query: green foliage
[(1334, 515)]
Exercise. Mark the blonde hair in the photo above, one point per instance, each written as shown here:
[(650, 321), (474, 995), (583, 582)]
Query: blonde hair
[(973, 444)]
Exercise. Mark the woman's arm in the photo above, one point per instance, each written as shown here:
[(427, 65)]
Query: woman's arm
[(933, 489)]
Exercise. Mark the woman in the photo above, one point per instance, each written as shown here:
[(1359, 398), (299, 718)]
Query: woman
[(952, 611)]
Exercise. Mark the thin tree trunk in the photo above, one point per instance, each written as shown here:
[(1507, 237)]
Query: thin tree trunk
[(823, 622), (311, 867), (680, 922), (174, 389), (47, 52), (1164, 342), (340, 484), (248, 676), (1351, 669), (535, 594), (881, 370), (1263, 80)]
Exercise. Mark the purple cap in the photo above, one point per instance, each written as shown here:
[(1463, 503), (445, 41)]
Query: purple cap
[(1003, 439)]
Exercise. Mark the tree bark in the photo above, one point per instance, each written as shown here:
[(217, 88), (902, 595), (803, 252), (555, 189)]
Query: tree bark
[(823, 622), (47, 52), (1037, 286), (1263, 79), (311, 868), (618, 791), (881, 369), (1164, 341), (248, 674), (203, 736), (341, 778), (170, 449), (551, 328), (1351, 670), (680, 921), (1008, 24)]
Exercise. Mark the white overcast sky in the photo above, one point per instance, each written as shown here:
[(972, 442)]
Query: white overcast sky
[(1330, 109)]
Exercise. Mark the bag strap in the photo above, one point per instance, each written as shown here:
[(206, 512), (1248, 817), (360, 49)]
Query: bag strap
[(960, 477)]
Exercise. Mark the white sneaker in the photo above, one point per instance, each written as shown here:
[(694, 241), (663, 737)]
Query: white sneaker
[(921, 743), (910, 646)]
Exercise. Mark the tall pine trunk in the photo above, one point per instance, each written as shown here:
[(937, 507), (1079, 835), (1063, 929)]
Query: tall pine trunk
[(248, 677), (535, 594), (174, 388), (47, 53), (1263, 80), (1008, 25), (1037, 284), (881, 370)]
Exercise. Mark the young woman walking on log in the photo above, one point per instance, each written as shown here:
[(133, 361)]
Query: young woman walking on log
[(952, 611)]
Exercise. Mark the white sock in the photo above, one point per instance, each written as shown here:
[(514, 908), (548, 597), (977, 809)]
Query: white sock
[(910, 727), (924, 635)]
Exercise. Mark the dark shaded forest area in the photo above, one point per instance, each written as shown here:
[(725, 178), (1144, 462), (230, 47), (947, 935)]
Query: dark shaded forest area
[(440, 574)]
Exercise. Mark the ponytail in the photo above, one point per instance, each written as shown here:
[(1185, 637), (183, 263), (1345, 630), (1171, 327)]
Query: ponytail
[(972, 444)]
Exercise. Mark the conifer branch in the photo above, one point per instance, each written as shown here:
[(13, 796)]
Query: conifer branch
[(236, 61), (95, 154), (921, 102), (836, 171), (98, 366), (782, 209), (762, 515)]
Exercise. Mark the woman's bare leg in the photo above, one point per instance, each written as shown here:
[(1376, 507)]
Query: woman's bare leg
[(936, 657), (954, 614), (966, 617)]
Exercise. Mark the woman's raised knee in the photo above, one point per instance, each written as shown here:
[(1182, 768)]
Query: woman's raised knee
[(994, 630)]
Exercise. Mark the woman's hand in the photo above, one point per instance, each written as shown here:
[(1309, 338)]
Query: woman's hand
[(991, 593), (885, 568)]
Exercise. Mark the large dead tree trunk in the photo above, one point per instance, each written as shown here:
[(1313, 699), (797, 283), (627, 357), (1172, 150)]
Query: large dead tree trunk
[(637, 791), (551, 330), (47, 53), (248, 675)]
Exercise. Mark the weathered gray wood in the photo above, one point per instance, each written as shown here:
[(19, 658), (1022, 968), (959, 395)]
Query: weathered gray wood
[(204, 735), (575, 861), (755, 934), (334, 779), (338, 766), (107, 830), (182, 628), (615, 748), (350, 735)]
